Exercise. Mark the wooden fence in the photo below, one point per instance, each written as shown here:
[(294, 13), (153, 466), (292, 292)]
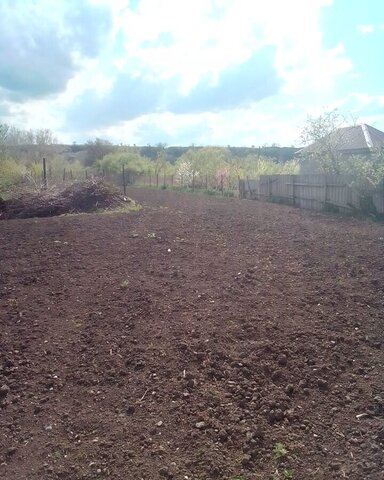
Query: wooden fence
[(316, 192)]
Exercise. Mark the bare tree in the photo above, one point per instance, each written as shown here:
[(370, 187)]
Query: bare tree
[(4, 129), (11, 135), (96, 150), (44, 136), (325, 136)]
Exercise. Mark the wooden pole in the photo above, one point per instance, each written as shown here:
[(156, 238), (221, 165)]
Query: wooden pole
[(44, 174), (325, 190), (293, 191), (157, 180), (64, 175), (249, 189), (123, 179)]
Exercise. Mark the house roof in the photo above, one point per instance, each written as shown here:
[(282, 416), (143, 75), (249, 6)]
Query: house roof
[(350, 139)]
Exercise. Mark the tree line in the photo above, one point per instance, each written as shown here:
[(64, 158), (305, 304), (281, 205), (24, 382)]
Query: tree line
[(186, 165)]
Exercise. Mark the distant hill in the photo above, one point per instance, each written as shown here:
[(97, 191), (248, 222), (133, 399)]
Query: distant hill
[(281, 154)]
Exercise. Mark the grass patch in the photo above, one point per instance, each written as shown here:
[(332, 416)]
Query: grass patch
[(279, 451), (106, 211), (280, 454), (288, 473), (125, 209)]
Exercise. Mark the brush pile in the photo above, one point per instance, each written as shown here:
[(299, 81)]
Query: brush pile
[(79, 197)]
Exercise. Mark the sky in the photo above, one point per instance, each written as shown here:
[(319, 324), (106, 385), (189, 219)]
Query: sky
[(183, 72)]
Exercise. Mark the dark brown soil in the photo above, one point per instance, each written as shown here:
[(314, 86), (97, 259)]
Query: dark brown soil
[(186, 340)]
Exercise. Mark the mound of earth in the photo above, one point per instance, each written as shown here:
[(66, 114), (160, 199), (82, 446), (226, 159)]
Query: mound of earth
[(86, 196)]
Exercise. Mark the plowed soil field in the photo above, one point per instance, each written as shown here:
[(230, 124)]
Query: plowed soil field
[(199, 338)]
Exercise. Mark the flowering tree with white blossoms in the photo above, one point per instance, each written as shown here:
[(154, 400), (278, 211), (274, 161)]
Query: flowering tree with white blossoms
[(185, 173)]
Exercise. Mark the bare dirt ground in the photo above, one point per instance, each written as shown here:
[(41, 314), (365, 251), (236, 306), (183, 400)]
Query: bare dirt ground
[(187, 340)]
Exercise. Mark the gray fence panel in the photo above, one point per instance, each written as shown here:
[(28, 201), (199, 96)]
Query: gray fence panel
[(314, 191)]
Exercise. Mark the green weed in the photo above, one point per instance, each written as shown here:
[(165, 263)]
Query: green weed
[(279, 451), (288, 474)]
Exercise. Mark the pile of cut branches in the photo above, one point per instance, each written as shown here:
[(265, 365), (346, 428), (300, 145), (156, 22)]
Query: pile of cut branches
[(79, 197)]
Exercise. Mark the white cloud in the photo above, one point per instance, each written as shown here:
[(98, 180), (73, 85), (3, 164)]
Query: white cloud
[(190, 43), (206, 37), (257, 125), (365, 28)]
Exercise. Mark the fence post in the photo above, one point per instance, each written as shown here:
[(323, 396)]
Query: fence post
[(325, 189), (269, 187), (71, 174), (222, 184), (157, 180), (44, 174), (193, 181), (64, 175), (206, 182), (293, 191), (172, 181), (123, 179), (86, 174), (164, 180), (249, 189)]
